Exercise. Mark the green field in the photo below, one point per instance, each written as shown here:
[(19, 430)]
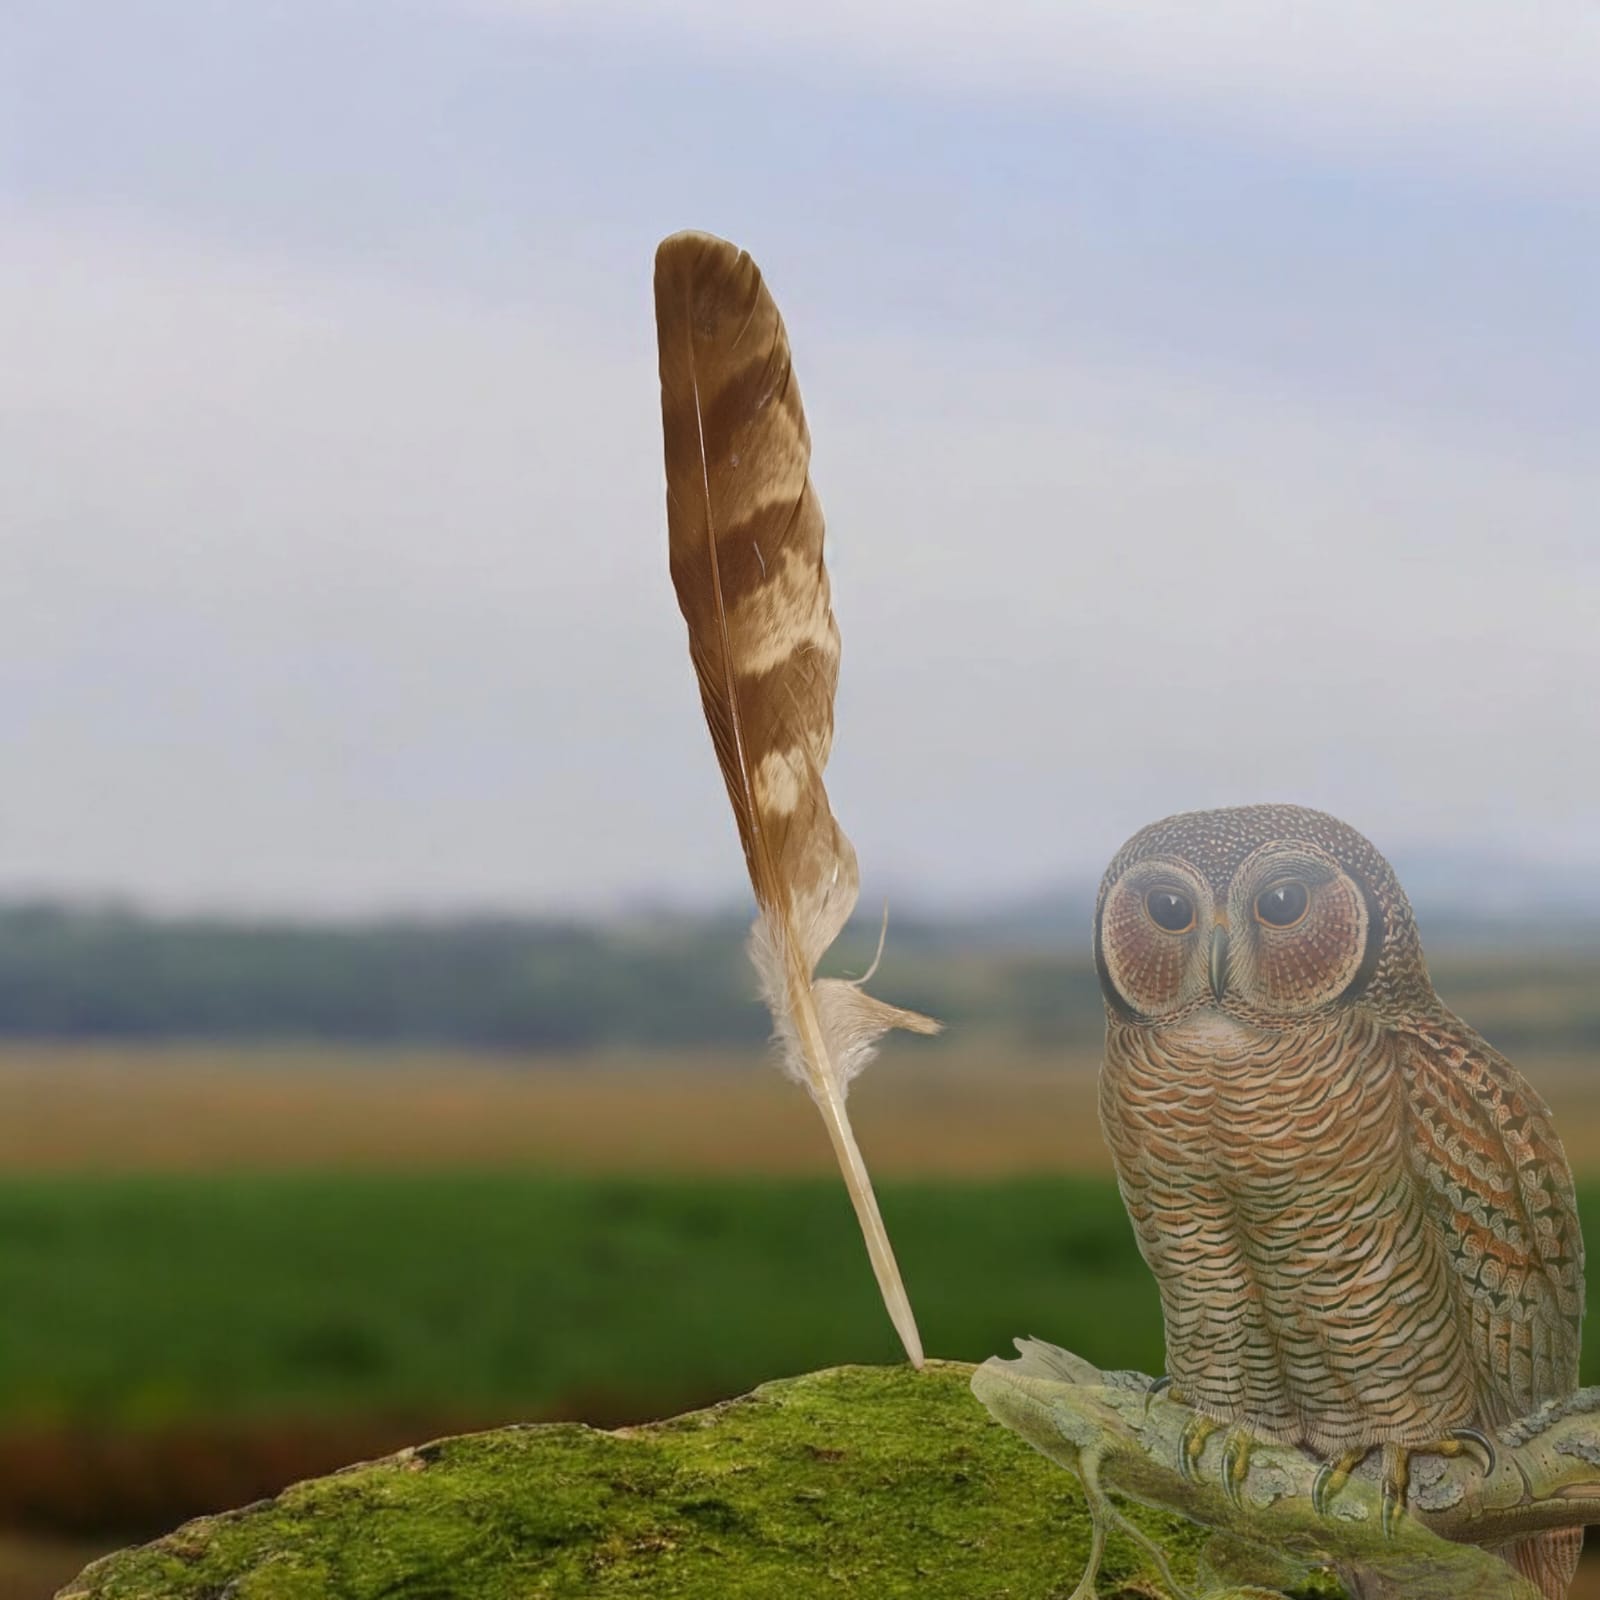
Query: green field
[(147, 1301), (150, 1301)]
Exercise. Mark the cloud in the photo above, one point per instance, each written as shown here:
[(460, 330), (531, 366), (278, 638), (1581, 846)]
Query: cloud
[(324, 591), (311, 584), (1480, 83)]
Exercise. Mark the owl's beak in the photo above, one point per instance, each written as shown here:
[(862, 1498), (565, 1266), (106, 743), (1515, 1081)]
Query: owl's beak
[(1219, 961)]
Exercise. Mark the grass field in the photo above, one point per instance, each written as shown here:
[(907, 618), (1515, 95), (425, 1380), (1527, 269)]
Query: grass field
[(162, 1302)]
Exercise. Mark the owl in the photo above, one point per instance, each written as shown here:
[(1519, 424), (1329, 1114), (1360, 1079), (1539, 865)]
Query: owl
[(1358, 1213)]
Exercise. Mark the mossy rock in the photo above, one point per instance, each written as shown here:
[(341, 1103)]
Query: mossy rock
[(858, 1481)]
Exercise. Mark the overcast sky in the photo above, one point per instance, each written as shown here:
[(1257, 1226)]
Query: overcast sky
[(1204, 398)]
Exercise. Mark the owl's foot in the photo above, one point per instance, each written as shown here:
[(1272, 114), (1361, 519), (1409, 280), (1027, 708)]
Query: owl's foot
[(1236, 1450), (1396, 1485), (1191, 1446), (1397, 1467), (1237, 1444), (1332, 1475), (1236, 1447)]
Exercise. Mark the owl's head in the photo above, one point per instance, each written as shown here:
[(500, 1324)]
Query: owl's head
[(1270, 914)]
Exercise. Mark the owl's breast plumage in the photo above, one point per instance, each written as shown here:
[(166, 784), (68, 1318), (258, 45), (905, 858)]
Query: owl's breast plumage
[(1268, 1182)]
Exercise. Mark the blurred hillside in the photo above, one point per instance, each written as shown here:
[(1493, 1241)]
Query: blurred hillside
[(1519, 958)]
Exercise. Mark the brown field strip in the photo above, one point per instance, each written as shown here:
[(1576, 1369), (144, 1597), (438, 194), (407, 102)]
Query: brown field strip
[(958, 1112)]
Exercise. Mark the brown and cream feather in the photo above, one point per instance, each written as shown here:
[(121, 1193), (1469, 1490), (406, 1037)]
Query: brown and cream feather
[(745, 534)]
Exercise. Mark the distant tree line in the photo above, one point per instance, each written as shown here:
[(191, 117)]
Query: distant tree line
[(520, 984), (74, 973), (86, 973)]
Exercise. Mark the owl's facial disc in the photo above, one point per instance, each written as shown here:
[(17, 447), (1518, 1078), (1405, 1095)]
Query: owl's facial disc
[(1150, 940), (1301, 928)]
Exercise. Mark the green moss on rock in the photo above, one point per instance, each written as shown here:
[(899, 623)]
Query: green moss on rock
[(858, 1481)]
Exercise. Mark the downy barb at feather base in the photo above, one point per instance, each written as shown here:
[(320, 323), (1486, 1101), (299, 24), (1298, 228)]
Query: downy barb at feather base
[(745, 533)]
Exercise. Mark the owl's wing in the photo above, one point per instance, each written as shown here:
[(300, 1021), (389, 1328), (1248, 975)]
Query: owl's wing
[(1500, 1193)]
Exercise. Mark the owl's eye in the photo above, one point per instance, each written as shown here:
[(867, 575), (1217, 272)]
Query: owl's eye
[(1170, 909), (1283, 905)]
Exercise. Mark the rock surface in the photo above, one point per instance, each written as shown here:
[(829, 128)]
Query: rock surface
[(858, 1482)]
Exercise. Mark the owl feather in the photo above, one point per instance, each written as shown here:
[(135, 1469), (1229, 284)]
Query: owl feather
[(1502, 1199), (745, 534)]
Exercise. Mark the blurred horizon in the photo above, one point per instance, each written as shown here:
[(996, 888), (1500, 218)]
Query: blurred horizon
[(1456, 891), (1461, 886), (1011, 977)]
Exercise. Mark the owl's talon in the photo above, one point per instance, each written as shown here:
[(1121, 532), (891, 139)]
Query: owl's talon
[(1192, 1446), (1161, 1386), (1236, 1450), (1394, 1505), (1394, 1497), (1332, 1476), (1459, 1444)]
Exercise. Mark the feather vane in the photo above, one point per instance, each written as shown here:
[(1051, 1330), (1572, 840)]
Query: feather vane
[(745, 534)]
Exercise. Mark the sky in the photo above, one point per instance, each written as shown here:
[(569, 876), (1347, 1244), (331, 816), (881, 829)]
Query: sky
[(1204, 406)]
